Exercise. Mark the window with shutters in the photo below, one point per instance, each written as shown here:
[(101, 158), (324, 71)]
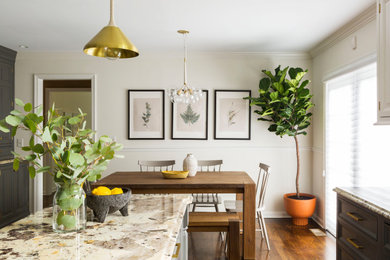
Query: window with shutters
[(357, 151)]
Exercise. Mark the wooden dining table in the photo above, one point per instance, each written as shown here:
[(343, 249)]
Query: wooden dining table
[(238, 182)]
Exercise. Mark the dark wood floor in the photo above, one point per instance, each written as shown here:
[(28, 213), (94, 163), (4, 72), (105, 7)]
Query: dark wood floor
[(286, 240)]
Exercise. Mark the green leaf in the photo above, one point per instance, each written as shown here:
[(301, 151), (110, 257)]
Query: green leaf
[(264, 84), (39, 110), (13, 120), (16, 164), (274, 95), (38, 148), (68, 221), (28, 107), (43, 169), (65, 157), (31, 157), (76, 159), (16, 113), (31, 171), (19, 102), (46, 137), (3, 126), (31, 143), (74, 120), (105, 138), (70, 203), (26, 148), (30, 124)]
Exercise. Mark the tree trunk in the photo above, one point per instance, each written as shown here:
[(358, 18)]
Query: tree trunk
[(298, 165)]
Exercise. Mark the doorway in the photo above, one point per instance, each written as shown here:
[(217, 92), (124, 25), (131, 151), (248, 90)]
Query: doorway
[(68, 96), (68, 92)]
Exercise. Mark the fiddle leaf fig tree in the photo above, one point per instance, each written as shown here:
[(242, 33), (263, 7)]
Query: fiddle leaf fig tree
[(285, 101)]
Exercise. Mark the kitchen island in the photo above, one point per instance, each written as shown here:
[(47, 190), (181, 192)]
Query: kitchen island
[(149, 232), (363, 223)]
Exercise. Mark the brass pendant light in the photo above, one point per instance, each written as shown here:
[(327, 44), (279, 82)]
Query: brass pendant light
[(110, 42)]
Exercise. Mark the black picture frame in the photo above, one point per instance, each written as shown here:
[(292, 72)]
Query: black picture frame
[(234, 94), (145, 94), (206, 115)]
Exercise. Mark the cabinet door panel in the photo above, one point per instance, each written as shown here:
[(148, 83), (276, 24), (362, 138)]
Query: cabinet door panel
[(383, 60), (14, 190), (5, 109)]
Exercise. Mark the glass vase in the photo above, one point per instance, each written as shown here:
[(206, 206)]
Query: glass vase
[(69, 212)]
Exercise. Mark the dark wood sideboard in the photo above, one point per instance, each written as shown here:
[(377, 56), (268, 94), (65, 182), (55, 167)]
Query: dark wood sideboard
[(361, 232), (14, 186)]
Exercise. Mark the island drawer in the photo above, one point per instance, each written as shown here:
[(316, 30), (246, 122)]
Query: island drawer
[(356, 242), (359, 217), (386, 239)]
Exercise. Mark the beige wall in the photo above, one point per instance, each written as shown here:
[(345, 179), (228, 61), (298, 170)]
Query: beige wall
[(328, 62), (163, 71)]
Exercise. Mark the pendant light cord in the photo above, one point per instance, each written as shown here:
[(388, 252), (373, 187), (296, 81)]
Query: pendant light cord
[(185, 59), (111, 22)]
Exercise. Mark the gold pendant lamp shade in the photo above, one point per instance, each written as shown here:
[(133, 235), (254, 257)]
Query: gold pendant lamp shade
[(111, 42)]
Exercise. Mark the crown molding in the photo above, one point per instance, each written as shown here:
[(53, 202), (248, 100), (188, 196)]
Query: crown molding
[(352, 26)]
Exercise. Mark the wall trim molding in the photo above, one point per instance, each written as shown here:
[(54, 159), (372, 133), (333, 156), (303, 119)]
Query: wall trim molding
[(77, 55), (317, 149), (239, 147), (352, 26)]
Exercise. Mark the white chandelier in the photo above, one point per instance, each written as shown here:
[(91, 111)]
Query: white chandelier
[(186, 93)]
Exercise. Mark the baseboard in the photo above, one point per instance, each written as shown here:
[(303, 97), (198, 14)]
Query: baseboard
[(319, 221), (276, 214)]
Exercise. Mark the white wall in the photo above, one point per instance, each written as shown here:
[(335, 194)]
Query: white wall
[(163, 71), (331, 60)]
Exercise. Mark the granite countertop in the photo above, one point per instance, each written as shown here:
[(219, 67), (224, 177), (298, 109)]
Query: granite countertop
[(376, 199), (149, 232)]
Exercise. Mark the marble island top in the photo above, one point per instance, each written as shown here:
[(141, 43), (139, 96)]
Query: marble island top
[(376, 199), (149, 232)]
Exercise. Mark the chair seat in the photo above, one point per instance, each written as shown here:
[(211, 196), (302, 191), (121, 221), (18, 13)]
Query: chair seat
[(206, 199), (233, 205)]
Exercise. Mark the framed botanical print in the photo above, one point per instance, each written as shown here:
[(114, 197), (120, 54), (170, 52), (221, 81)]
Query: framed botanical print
[(190, 121), (146, 114), (232, 115)]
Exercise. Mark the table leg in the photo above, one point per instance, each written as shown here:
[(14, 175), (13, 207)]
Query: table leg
[(249, 239)]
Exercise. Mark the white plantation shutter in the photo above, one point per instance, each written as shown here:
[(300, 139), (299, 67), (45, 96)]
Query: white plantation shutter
[(356, 150)]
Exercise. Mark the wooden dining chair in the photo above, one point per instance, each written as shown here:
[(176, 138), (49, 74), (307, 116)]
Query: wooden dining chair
[(156, 166), (207, 199), (261, 188)]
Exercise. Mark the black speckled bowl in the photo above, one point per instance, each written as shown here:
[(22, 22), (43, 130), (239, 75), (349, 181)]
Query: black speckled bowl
[(102, 205)]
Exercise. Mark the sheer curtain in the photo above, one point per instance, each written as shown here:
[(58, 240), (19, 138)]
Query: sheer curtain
[(356, 149)]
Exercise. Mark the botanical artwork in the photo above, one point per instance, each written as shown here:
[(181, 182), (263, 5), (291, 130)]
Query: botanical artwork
[(232, 110), (146, 114), (232, 115), (144, 119), (189, 116), (189, 121)]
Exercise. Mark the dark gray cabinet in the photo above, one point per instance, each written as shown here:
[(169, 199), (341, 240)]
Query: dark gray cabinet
[(361, 233), (14, 193), (7, 61), (14, 186)]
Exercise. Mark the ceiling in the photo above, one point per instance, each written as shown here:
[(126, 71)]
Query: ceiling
[(214, 25)]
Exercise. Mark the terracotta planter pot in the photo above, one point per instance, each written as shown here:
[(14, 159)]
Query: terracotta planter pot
[(300, 210)]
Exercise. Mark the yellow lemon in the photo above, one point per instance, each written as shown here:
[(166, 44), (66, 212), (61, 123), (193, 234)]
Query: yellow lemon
[(116, 191), (101, 191)]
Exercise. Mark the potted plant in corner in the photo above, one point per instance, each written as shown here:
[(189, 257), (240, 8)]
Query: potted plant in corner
[(77, 157), (285, 103)]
